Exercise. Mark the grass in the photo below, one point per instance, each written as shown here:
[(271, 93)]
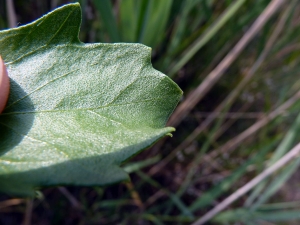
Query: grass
[(239, 115)]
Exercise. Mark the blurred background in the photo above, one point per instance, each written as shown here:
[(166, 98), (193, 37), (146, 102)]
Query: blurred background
[(237, 62)]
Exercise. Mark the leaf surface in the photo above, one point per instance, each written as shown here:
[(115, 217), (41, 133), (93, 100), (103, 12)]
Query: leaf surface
[(76, 111)]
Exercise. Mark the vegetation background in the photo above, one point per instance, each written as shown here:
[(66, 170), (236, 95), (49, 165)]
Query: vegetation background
[(237, 62)]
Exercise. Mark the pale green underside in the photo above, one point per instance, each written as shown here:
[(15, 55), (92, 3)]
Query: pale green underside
[(76, 111)]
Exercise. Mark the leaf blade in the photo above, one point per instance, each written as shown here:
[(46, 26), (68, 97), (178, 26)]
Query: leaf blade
[(73, 105)]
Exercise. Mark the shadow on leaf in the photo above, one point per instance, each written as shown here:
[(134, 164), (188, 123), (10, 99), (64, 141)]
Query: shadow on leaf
[(90, 171), (15, 124)]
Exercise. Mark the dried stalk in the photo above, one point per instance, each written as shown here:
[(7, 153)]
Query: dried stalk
[(247, 187)]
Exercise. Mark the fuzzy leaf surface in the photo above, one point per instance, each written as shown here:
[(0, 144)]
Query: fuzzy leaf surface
[(76, 111)]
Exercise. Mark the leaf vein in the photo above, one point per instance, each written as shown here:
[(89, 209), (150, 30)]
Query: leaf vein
[(39, 88), (100, 115), (61, 26)]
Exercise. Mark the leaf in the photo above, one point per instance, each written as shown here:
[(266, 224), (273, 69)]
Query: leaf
[(76, 111)]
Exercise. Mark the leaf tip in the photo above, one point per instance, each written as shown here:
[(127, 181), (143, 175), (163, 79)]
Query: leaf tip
[(171, 129), (169, 134)]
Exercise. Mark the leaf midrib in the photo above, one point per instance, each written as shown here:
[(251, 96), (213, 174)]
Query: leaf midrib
[(80, 109)]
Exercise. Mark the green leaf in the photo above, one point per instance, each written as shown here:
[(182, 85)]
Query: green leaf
[(76, 111)]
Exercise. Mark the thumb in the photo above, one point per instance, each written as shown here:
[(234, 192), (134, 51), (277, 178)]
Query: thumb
[(4, 85)]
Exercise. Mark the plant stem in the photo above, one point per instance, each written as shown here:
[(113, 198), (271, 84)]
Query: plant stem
[(184, 108)]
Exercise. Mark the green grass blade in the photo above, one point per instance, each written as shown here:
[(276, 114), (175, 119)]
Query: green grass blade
[(277, 183), (168, 218), (135, 166), (106, 12), (203, 39), (285, 145), (176, 201), (155, 18), (178, 30), (231, 216), (111, 203), (243, 215), (287, 142), (143, 14), (153, 219), (280, 206), (211, 195), (129, 10), (280, 216)]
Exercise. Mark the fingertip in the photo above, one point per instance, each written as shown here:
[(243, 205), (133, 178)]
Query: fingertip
[(4, 85)]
